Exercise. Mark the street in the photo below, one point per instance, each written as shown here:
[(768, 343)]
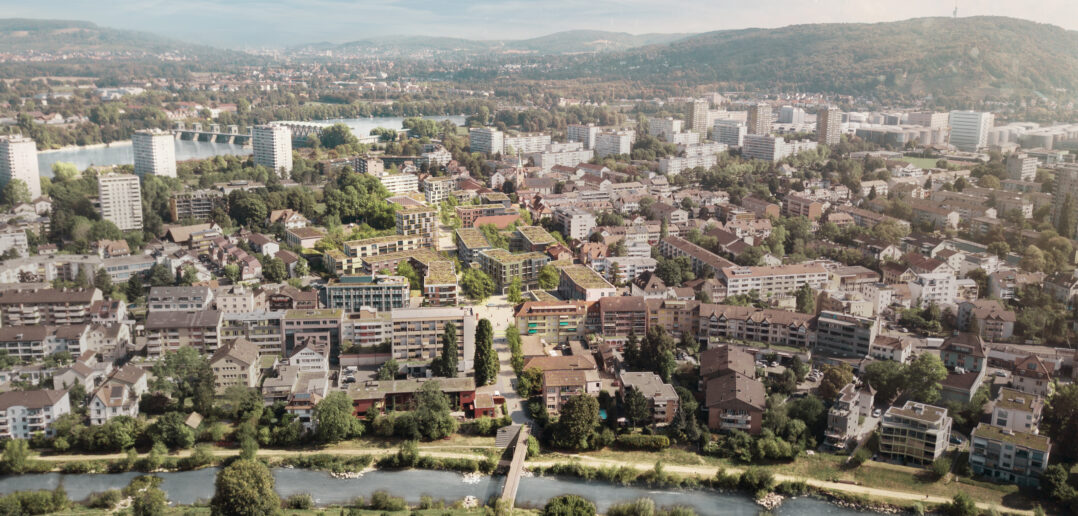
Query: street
[(500, 313)]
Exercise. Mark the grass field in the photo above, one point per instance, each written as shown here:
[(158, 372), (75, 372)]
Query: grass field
[(920, 162)]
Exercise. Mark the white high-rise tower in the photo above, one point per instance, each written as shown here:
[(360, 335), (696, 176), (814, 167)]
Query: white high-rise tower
[(18, 160)]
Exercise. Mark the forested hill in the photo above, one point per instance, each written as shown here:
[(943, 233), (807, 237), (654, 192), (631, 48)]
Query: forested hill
[(24, 35), (974, 57), (567, 42)]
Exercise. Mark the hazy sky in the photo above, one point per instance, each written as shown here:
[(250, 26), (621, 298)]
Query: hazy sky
[(276, 23)]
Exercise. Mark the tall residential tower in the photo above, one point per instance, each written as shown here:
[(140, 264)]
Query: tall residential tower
[(18, 160), (273, 148), (121, 200), (828, 126), (155, 153)]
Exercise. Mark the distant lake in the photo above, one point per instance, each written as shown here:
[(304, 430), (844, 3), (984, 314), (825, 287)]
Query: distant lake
[(363, 126)]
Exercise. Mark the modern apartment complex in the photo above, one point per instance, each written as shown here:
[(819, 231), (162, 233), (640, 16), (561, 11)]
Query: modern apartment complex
[(773, 281), (47, 306), (417, 334), (417, 221), (351, 292), (273, 148), (25, 413), (486, 140), (772, 148), (915, 433), (730, 132), (195, 205), (759, 118), (969, 129), (828, 125), (844, 334), (614, 143), (504, 267), (155, 153), (1007, 456), (583, 133), (18, 160), (121, 200), (554, 321)]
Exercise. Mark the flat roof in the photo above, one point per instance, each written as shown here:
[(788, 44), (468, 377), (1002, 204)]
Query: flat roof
[(585, 277), (415, 209), (378, 389), (536, 235), (502, 256), (315, 313), (424, 256), (440, 273), (473, 238), (1027, 440)]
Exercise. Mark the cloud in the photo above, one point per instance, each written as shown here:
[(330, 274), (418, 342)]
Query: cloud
[(277, 23)]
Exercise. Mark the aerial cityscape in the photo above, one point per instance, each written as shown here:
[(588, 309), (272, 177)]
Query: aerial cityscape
[(622, 260)]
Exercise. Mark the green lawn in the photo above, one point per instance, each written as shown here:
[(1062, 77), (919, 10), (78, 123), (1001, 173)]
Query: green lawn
[(920, 162)]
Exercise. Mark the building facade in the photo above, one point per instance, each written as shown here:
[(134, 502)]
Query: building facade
[(155, 153)]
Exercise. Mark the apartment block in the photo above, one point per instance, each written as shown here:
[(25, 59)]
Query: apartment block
[(25, 413), (854, 404), (121, 200), (417, 221), (1021, 167), (828, 126), (553, 321), (179, 299), (525, 143), (504, 267), (800, 206), (273, 148), (486, 140), (417, 335), (702, 260), (969, 130), (531, 238), (564, 154), (235, 364), (759, 119), (437, 188), (915, 433), (621, 316), (721, 323), (400, 183), (195, 205), (730, 132), (662, 396), (773, 148), (559, 386), (576, 223), (263, 328), (440, 284), (169, 331), (614, 143), (664, 128), (470, 242), (772, 281), (155, 153), (581, 283), (1007, 456), (20, 307), (584, 133), (845, 335), (18, 160), (351, 292)]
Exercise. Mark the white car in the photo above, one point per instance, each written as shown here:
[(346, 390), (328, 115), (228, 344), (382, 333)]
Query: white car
[(876, 413)]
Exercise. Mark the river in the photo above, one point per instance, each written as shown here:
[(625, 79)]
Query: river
[(188, 487), (120, 153)]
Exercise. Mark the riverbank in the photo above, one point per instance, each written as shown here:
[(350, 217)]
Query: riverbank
[(68, 148)]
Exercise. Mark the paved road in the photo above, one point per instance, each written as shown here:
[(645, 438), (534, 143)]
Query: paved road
[(500, 313)]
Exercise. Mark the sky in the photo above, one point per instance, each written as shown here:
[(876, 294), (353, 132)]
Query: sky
[(280, 23)]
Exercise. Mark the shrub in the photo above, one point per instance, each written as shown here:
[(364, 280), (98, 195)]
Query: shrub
[(383, 501), (200, 457), (78, 467), (962, 505), (568, 505), (859, 457), (105, 500), (940, 467), (533, 447), (756, 481), (639, 507), (798, 488), (299, 501), (724, 480), (643, 442), (327, 462)]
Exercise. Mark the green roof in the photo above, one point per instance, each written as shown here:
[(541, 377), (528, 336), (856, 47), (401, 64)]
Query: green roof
[(319, 313), (440, 273), (536, 235), (502, 256), (995, 433), (473, 238), (423, 256), (415, 209), (585, 277)]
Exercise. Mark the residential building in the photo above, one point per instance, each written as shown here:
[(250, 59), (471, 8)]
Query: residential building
[(290, 219), (720, 323), (273, 148), (262, 327), (1017, 411), (828, 125), (759, 119), (440, 284), (661, 396), (1006, 456), (564, 154), (524, 143), (531, 238), (845, 335), (622, 270), (938, 288), (1032, 376), (504, 267), (800, 206), (400, 183), (698, 115), (437, 188), (664, 128), (621, 316), (155, 153), (1065, 195), (576, 223), (312, 327), (964, 351), (351, 292), (235, 363), (169, 331), (179, 299), (309, 358), (915, 433), (417, 221), (18, 160), (195, 205), (552, 321), (560, 385), (772, 281), (110, 400), (730, 132), (584, 133), (20, 307), (614, 143), (1021, 167), (994, 322), (486, 140), (305, 238), (581, 283), (772, 148), (702, 260), (890, 348), (25, 413), (854, 405), (735, 402), (969, 130), (387, 396), (417, 335), (470, 242), (121, 200), (14, 239), (33, 343)]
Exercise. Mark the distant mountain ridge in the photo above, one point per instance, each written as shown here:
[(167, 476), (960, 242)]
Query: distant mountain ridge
[(22, 35), (940, 56)]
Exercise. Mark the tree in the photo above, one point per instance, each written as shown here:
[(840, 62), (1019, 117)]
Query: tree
[(530, 382), (806, 299), (486, 360), (244, 488), (133, 288), (887, 377), (548, 277), (1033, 258), (923, 377), (513, 293), (578, 419), (1066, 224), (103, 281), (835, 377), (432, 412), (336, 135), (171, 430), (185, 376), (63, 172), (406, 270), (336, 419), (15, 192), (962, 505), (388, 371), (1060, 421), (149, 502), (233, 273), (637, 407), (161, 276), (568, 505), (999, 249), (476, 284), (16, 457), (446, 363), (274, 269)]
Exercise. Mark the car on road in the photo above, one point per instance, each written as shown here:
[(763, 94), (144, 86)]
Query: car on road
[(876, 413)]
